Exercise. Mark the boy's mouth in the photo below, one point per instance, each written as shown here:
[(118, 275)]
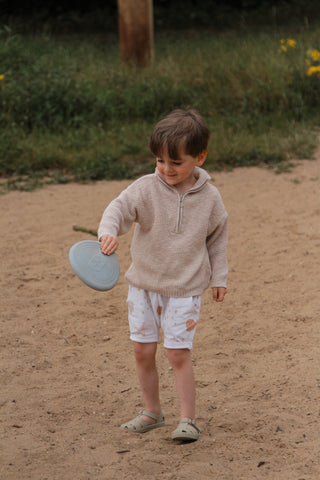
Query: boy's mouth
[(170, 175)]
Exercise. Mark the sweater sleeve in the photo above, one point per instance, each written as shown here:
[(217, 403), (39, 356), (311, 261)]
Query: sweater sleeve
[(120, 214), (217, 243)]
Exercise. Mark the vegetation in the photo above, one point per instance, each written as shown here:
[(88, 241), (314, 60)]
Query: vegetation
[(70, 111)]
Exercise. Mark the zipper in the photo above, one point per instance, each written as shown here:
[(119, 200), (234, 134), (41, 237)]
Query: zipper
[(179, 213)]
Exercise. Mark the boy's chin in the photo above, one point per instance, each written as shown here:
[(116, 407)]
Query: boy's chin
[(170, 180)]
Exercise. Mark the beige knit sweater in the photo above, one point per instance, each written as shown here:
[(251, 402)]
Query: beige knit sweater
[(179, 245)]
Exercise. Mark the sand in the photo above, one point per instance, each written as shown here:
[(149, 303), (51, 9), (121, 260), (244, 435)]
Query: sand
[(67, 371)]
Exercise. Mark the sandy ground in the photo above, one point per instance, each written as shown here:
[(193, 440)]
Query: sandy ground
[(67, 371)]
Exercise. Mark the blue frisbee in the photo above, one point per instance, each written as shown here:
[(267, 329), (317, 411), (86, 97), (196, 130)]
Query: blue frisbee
[(98, 271)]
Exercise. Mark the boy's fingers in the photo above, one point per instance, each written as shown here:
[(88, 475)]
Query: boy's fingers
[(218, 294), (109, 245), (108, 250)]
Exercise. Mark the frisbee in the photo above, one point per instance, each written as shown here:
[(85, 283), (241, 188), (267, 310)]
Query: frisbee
[(98, 271)]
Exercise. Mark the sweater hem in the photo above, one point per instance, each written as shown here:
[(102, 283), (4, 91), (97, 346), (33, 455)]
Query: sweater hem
[(174, 292)]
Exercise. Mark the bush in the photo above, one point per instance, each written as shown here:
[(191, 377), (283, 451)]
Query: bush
[(69, 106)]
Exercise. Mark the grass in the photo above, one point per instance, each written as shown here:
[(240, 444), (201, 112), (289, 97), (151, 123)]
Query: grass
[(71, 111)]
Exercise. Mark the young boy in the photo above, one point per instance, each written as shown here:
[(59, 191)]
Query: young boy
[(179, 248)]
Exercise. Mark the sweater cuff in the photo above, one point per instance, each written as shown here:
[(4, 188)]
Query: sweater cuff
[(104, 232)]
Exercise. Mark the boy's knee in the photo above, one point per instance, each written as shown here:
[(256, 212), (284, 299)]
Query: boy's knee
[(178, 357), (144, 351)]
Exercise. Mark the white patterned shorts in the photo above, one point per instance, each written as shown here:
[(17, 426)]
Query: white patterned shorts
[(177, 317)]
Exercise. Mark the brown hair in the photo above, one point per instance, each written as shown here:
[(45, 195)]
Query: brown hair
[(180, 130)]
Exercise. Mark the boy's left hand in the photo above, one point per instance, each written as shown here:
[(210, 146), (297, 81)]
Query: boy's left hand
[(218, 293)]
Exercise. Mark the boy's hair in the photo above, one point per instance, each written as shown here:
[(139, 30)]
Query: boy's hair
[(181, 131)]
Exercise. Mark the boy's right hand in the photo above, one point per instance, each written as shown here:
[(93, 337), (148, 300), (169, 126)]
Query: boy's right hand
[(109, 244)]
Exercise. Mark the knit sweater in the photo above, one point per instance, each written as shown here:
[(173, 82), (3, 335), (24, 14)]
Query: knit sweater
[(179, 245)]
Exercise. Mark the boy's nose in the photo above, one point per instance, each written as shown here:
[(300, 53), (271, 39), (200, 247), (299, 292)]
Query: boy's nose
[(168, 169)]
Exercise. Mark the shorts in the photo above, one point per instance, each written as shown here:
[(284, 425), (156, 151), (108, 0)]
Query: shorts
[(177, 317)]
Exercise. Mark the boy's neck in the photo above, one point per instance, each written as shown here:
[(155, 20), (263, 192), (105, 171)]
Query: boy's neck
[(184, 188)]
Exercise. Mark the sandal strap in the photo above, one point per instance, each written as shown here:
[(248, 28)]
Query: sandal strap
[(154, 416), (189, 421)]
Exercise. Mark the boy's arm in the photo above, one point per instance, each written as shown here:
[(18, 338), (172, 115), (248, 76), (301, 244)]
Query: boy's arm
[(117, 219), (217, 243)]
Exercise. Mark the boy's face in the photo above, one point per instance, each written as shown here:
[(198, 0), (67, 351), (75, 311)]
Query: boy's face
[(179, 173)]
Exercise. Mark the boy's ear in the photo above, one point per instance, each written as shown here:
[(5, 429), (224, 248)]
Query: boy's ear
[(201, 158)]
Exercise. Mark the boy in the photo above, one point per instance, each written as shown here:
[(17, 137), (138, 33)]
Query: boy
[(178, 249)]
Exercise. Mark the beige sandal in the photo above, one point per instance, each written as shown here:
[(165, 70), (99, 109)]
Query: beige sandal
[(187, 431), (138, 425)]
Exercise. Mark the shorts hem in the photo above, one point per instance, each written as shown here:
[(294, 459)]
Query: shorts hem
[(143, 340), (179, 347)]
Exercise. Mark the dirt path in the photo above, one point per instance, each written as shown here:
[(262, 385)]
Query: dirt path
[(67, 372)]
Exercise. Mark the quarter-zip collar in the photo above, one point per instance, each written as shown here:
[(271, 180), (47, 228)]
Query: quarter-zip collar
[(202, 177)]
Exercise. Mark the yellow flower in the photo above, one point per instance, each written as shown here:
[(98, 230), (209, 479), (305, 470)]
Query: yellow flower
[(287, 43), (314, 54), (1, 77), (291, 43), (314, 71)]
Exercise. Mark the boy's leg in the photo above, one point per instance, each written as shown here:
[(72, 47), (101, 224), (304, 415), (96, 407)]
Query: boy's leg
[(187, 430), (180, 360), (145, 356)]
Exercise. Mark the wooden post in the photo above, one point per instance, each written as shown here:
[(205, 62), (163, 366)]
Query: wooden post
[(136, 31)]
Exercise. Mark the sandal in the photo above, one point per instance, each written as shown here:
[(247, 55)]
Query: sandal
[(138, 425), (187, 431)]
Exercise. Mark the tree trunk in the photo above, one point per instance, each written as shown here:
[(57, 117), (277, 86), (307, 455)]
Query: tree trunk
[(136, 31)]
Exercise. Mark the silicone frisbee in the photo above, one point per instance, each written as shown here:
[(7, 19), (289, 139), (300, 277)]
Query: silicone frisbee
[(95, 269)]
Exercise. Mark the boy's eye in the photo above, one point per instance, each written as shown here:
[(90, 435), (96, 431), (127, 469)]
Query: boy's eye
[(159, 160)]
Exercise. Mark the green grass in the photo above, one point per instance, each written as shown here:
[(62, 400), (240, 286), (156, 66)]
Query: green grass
[(71, 111)]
